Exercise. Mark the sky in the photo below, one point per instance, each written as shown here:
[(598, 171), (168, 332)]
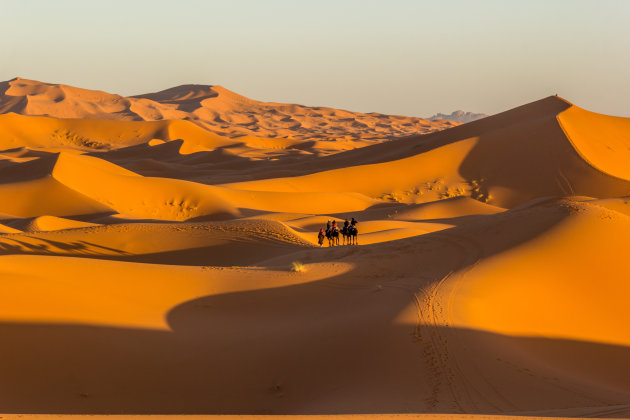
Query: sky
[(407, 57)]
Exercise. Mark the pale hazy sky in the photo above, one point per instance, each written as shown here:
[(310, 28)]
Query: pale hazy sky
[(400, 57)]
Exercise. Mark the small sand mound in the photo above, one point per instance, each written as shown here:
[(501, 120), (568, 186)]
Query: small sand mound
[(155, 142), (444, 209), (48, 223)]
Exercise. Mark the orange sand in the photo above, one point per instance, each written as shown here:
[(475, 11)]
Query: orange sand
[(147, 245)]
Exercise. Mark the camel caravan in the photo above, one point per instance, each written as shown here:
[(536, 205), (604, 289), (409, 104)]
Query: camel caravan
[(349, 233)]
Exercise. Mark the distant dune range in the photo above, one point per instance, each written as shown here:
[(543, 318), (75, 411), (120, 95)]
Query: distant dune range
[(216, 109), (146, 246)]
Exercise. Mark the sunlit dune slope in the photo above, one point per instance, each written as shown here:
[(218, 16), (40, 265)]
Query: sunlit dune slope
[(129, 193), (602, 140), (518, 292), (70, 184), (562, 287), (506, 159), (97, 135), (45, 196)]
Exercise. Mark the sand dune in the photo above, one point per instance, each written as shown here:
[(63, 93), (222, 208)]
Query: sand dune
[(217, 243), (572, 265), (506, 159), (158, 255), (214, 108), (47, 223), (97, 135)]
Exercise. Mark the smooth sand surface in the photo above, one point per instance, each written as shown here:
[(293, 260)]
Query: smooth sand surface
[(158, 255)]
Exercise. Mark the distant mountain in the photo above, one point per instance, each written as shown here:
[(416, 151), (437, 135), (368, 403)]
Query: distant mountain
[(458, 116)]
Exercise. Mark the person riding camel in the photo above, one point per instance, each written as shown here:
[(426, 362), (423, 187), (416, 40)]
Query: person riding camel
[(346, 223), (321, 236), (353, 222), (334, 225), (328, 225)]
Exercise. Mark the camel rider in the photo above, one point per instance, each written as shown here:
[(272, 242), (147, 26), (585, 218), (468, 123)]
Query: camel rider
[(328, 225), (334, 225), (353, 222), (320, 237), (345, 224)]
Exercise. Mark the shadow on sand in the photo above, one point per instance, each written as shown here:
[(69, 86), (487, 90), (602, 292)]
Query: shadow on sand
[(326, 347), (343, 344)]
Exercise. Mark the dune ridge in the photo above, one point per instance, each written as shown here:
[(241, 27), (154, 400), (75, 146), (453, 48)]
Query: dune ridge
[(463, 159), (159, 256)]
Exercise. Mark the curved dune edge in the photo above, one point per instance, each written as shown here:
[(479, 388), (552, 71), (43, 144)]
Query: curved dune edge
[(81, 184), (601, 140), (564, 284), (122, 300), (130, 193), (46, 196), (516, 292), (173, 199)]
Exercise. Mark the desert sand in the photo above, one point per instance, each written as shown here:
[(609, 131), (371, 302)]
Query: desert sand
[(147, 246)]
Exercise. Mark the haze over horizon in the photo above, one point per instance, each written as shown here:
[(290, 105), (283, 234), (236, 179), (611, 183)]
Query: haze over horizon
[(405, 57)]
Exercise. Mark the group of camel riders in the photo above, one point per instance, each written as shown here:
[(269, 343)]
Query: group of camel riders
[(349, 233)]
